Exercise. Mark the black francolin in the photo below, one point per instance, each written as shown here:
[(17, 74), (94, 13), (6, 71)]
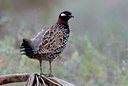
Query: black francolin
[(49, 42)]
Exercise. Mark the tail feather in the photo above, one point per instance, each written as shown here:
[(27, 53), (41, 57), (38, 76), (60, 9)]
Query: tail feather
[(26, 48)]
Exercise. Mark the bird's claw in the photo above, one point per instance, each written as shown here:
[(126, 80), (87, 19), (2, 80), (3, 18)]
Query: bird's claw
[(47, 75), (50, 75)]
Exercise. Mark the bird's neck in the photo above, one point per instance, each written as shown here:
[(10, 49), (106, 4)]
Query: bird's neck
[(60, 21)]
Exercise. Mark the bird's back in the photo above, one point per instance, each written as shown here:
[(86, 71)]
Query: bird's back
[(51, 42)]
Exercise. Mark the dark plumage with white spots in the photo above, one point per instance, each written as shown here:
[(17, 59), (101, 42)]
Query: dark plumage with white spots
[(49, 42)]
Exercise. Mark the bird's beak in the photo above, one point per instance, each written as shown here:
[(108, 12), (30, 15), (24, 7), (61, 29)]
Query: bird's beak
[(71, 16)]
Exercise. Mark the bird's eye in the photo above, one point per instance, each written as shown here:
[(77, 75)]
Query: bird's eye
[(63, 14)]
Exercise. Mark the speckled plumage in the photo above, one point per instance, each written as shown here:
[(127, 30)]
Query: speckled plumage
[(49, 42)]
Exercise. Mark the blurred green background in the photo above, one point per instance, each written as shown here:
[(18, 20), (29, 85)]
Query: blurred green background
[(97, 51)]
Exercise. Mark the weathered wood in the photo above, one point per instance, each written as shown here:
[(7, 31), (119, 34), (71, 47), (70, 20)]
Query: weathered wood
[(12, 78), (32, 78)]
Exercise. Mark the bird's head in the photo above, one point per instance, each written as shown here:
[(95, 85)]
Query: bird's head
[(65, 16)]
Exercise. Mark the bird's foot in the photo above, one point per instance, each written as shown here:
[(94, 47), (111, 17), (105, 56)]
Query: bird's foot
[(43, 74), (50, 75), (47, 75)]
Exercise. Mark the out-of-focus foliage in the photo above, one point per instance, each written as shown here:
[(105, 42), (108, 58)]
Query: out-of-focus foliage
[(97, 51)]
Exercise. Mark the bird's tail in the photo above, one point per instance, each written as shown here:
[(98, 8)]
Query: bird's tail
[(26, 48)]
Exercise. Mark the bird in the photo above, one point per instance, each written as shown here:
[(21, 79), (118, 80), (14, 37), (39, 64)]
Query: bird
[(49, 42)]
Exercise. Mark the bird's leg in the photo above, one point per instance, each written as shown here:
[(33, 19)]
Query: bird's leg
[(50, 63), (40, 62)]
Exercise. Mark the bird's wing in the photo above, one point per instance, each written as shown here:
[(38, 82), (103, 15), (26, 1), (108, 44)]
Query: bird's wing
[(37, 39), (52, 39)]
